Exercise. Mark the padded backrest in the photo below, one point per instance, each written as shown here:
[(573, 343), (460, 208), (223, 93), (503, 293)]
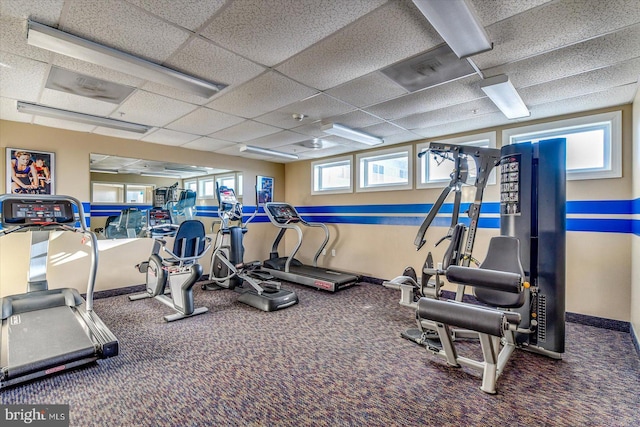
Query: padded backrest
[(454, 251), (133, 218), (187, 199), (191, 237), (503, 255)]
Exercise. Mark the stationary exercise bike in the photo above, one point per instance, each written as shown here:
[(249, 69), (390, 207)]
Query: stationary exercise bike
[(229, 271), (180, 270)]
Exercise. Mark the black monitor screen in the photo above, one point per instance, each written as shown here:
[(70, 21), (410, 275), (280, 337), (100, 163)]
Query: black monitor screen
[(23, 212)]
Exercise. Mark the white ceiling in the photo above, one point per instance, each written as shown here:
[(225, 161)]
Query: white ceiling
[(320, 58)]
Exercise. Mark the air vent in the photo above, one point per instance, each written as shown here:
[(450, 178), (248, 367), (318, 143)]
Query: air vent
[(316, 144), (432, 68), (87, 86)]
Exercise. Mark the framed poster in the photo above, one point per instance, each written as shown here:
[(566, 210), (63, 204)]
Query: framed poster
[(264, 189), (29, 171)]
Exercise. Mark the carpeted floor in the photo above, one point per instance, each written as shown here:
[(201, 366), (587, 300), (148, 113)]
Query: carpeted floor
[(332, 360)]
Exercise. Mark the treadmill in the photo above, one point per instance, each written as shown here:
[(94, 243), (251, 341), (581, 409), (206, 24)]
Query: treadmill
[(46, 331), (285, 217)]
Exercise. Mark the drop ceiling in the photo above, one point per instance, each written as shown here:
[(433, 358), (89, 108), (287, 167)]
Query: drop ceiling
[(320, 59)]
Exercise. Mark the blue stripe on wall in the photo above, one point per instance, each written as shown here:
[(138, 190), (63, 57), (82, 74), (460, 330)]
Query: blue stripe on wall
[(414, 214)]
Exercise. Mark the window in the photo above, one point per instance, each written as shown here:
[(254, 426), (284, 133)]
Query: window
[(191, 185), (228, 181), (594, 143), (139, 193), (434, 171), (105, 192), (389, 169), (331, 177), (206, 188)]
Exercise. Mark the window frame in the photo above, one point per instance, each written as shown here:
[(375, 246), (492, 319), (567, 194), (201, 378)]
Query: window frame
[(408, 149), (123, 200), (328, 162), (469, 140), (614, 118)]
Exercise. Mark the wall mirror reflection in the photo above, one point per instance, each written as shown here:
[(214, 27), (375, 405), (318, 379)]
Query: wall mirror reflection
[(146, 198)]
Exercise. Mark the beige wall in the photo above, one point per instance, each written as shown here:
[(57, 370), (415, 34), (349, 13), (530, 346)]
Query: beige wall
[(635, 276), (598, 264), (67, 264), (593, 286)]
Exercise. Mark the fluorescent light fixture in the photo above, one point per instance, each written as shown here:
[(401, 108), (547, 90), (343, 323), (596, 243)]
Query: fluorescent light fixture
[(500, 90), (352, 134), (57, 41), (457, 23), (265, 152), (41, 110)]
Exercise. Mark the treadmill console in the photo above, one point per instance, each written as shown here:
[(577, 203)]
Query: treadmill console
[(37, 212), (159, 217), (283, 213)]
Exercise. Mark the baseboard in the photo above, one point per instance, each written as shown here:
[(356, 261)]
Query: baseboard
[(116, 292), (634, 338)]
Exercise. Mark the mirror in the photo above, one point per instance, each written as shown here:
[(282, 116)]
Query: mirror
[(124, 190)]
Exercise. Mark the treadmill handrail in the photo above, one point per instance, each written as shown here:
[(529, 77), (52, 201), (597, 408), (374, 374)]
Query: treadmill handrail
[(83, 229), (294, 226)]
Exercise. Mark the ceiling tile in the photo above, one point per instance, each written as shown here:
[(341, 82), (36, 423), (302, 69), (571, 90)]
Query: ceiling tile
[(458, 126), (271, 31), (565, 23), (277, 139), (169, 137), (203, 59), (234, 150), (490, 12), (81, 104), (245, 131), (468, 110), (204, 121), (21, 78), (384, 130), (300, 147), (578, 58), (62, 124), (314, 108), (189, 14), (611, 97), (265, 93), (14, 34), (151, 109), (355, 119), (581, 84), (9, 111), (128, 28), (447, 94), (207, 144), (368, 90), (327, 152), (46, 12), (370, 43)]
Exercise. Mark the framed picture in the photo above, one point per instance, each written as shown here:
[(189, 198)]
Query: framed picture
[(30, 171), (264, 188)]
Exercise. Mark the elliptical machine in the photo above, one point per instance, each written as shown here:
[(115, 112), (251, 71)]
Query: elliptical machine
[(179, 269), (229, 271)]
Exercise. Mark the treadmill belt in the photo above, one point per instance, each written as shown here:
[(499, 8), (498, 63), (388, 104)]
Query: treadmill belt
[(46, 338)]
